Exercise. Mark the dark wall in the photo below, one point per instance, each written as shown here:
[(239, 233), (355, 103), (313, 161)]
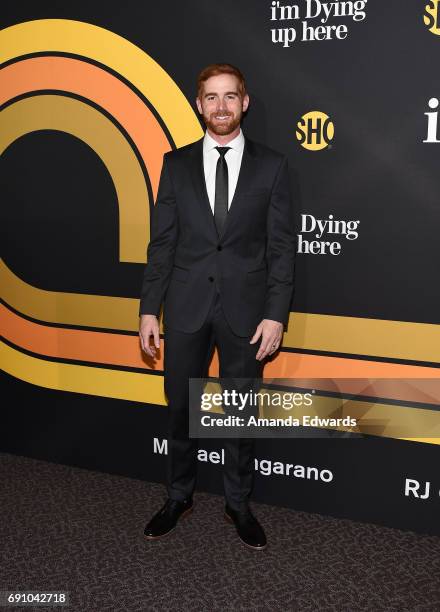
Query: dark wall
[(59, 227)]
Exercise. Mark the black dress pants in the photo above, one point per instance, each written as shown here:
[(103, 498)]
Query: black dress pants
[(187, 355)]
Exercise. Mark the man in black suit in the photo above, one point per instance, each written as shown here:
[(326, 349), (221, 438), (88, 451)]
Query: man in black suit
[(220, 259)]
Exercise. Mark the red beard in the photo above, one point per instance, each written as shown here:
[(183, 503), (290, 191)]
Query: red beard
[(222, 128)]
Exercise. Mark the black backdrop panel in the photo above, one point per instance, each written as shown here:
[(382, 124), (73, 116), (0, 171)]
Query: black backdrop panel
[(375, 86)]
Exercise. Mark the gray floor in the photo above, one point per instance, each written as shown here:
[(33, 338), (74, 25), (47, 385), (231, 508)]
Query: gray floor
[(70, 529)]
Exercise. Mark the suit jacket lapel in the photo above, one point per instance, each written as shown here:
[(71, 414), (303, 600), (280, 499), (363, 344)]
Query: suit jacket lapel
[(247, 170), (245, 176), (198, 176)]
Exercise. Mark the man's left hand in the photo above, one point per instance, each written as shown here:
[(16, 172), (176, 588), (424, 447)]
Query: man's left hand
[(271, 333)]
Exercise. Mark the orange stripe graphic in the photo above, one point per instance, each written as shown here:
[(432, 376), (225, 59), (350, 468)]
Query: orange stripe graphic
[(99, 86), (124, 350)]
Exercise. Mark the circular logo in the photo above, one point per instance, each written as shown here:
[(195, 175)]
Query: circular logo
[(431, 18), (315, 130)]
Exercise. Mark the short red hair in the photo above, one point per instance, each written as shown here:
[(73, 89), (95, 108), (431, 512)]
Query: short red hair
[(215, 70)]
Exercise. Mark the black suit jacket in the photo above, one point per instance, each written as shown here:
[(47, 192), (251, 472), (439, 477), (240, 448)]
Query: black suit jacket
[(252, 261)]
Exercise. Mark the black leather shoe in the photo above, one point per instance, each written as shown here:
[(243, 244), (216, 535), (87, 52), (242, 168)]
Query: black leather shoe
[(248, 528), (166, 519)]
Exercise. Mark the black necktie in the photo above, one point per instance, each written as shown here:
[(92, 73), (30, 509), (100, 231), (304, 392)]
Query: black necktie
[(221, 190)]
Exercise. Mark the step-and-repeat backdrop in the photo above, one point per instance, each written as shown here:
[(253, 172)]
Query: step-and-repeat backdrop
[(92, 97)]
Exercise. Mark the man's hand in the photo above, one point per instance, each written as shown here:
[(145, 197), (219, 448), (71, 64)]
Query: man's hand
[(149, 326), (272, 333)]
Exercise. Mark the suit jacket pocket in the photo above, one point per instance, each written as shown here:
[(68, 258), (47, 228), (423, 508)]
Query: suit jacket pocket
[(255, 277), (255, 193), (179, 274)]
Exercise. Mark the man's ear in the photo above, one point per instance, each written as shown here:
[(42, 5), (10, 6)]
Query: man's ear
[(199, 106), (245, 102)]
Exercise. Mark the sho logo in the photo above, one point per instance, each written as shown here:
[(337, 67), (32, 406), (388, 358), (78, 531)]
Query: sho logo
[(431, 18), (432, 130), (315, 130)]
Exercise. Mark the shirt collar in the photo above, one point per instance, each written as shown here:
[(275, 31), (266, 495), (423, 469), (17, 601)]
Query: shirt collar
[(236, 143)]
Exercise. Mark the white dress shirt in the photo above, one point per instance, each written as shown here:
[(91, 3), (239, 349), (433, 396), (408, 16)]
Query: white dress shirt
[(233, 159)]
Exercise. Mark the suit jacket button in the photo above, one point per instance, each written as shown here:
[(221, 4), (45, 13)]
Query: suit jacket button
[(211, 279), (219, 248)]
